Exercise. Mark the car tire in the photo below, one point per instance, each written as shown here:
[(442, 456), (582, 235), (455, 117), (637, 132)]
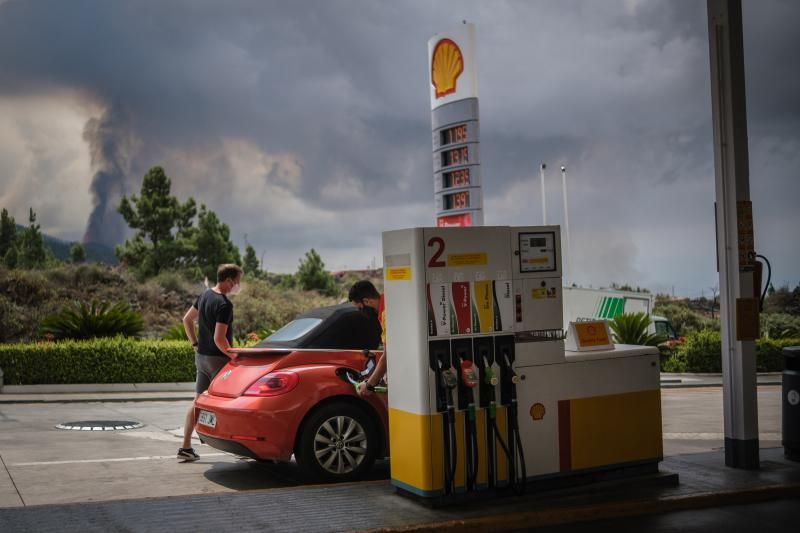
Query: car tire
[(338, 442)]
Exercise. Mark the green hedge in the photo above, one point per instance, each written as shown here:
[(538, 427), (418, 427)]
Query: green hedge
[(109, 360), (701, 352)]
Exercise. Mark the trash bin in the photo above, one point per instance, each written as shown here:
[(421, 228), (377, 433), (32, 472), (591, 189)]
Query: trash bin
[(791, 403)]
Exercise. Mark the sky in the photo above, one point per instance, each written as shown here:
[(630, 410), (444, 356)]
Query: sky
[(307, 123)]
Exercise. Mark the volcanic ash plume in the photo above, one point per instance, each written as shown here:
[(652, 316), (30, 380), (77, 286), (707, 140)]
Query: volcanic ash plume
[(111, 145)]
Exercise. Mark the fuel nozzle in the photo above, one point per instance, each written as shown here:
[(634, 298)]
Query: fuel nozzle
[(468, 374), (488, 376), (449, 378)]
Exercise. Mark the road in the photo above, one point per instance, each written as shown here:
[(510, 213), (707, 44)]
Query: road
[(41, 464)]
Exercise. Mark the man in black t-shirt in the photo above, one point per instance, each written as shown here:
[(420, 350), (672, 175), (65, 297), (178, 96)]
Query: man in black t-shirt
[(213, 312)]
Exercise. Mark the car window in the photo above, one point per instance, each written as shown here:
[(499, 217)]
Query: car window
[(294, 330), (665, 329)]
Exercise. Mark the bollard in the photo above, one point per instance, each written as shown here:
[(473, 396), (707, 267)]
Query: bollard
[(790, 403)]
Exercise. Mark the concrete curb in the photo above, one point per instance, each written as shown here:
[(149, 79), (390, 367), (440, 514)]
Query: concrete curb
[(84, 399), (98, 387), (585, 513), (681, 385)]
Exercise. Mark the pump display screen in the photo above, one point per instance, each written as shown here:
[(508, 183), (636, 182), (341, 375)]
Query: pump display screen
[(537, 252), (456, 178)]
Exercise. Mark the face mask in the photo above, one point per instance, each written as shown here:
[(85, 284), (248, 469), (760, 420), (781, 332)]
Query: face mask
[(236, 289), (369, 311)]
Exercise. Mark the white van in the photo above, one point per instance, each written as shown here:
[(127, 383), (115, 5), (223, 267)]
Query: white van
[(589, 304)]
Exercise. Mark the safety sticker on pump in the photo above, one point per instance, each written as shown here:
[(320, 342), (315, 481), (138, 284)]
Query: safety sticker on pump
[(539, 293), (398, 273), (472, 259)]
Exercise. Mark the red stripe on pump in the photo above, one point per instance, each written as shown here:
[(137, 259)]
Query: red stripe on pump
[(564, 437)]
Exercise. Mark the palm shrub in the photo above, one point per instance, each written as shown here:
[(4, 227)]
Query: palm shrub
[(175, 333), (631, 328), (82, 321), (780, 325)]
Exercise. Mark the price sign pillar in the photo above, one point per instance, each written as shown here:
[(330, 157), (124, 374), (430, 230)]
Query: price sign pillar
[(455, 128)]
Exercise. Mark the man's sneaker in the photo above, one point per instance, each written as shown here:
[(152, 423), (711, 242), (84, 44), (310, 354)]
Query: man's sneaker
[(187, 454)]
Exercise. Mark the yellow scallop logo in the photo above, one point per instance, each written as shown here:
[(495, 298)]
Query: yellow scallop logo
[(537, 411), (447, 64)]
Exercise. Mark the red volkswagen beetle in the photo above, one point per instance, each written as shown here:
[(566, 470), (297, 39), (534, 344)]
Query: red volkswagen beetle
[(293, 394)]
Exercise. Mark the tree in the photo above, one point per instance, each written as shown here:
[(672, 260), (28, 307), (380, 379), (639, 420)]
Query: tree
[(31, 252), (11, 257), (714, 295), (76, 253), (311, 275), (8, 232), (251, 264), (156, 214), (212, 244)]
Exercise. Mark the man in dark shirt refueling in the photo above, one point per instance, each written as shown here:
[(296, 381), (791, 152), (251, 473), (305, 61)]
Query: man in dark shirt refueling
[(213, 312)]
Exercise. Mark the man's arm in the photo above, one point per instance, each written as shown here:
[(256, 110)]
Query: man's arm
[(376, 376), (188, 324), (220, 330)]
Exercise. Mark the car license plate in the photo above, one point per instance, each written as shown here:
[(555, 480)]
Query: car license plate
[(207, 418)]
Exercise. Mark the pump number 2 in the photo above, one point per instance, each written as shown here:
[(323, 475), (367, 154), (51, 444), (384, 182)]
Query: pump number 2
[(438, 243)]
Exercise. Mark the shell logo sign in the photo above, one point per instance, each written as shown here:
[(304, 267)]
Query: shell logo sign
[(447, 64)]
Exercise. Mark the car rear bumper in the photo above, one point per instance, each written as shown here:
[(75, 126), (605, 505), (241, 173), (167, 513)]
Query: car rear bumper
[(247, 426), (230, 446)]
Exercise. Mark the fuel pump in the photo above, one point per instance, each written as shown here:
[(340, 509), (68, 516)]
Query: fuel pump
[(466, 402), (508, 397), (446, 382), (469, 308)]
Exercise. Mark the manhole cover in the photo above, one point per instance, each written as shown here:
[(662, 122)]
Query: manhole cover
[(100, 425)]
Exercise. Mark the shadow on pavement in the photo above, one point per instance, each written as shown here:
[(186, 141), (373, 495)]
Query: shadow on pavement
[(248, 474)]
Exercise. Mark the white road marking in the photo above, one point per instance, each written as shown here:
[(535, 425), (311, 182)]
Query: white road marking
[(714, 436), (114, 460)]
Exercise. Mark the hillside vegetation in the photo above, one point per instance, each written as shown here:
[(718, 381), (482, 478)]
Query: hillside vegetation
[(267, 301)]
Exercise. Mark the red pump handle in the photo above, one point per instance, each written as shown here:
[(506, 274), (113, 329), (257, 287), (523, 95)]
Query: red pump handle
[(468, 374)]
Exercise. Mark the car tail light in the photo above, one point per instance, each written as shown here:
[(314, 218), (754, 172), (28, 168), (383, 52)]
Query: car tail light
[(273, 384)]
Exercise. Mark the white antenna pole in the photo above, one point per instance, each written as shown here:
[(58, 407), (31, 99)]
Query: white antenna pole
[(566, 254), (544, 201)]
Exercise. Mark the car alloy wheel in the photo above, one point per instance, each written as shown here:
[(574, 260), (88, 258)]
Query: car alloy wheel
[(338, 441), (340, 444)]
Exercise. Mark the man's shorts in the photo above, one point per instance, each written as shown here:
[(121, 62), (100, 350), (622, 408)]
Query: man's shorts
[(208, 366)]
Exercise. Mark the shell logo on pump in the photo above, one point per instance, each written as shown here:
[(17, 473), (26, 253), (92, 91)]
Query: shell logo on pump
[(447, 64), (537, 411)]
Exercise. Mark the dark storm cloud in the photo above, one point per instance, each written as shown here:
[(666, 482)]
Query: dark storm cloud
[(322, 107)]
